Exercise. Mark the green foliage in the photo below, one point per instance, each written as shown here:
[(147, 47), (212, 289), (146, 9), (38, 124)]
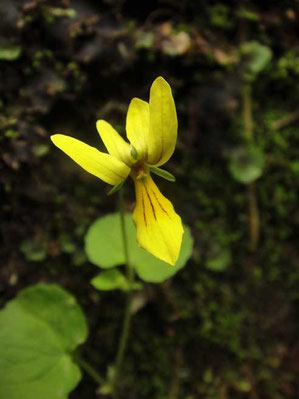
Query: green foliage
[(41, 150), (257, 57), (220, 16), (113, 280), (245, 13), (110, 280), (10, 52), (218, 241), (33, 251), (62, 12), (246, 164), (145, 40), (288, 64), (66, 244), (103, 242), (220, 259), (39, 330), (104, 248)]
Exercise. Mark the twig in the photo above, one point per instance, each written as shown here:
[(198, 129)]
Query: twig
[(286, 120), (223, 392), (254, 220)]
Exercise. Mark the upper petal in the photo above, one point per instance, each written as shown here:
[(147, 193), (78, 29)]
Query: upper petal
[(163, 123), (114, 143), (159, 228), (137, 126), (104, 166)]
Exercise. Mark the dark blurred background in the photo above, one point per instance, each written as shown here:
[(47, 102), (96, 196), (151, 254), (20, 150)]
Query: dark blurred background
[(226, 326)]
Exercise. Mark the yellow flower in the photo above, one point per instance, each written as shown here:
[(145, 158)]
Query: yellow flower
[(152, 131)]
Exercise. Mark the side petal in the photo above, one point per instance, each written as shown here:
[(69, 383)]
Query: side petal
[(137, 126), (104, 166), (163, 123), (114, 143), (159, 228)]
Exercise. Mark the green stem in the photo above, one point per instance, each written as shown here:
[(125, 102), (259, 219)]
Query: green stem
[(124, 234), (247, 112), (127, 316), (88, 368)]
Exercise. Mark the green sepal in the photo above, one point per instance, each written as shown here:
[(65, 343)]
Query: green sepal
[(115, 188), (162, 173), (141, 176), (133, 152)]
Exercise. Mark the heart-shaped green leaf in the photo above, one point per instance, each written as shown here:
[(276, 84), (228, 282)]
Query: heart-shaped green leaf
[(246, 164), (257, 58), (39, 330), (104, 248), (110, 280), (113, 279)]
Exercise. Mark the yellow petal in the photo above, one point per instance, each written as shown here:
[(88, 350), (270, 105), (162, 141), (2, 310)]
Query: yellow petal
[(103, 166), (159, 228), (114, 143), (137, 126), (163, 123)]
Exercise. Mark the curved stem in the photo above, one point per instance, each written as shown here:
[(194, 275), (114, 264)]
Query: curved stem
[(127, 316), (89, 369)]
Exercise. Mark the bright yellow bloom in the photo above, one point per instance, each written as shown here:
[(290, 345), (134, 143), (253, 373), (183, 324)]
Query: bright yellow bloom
[(152, 131)]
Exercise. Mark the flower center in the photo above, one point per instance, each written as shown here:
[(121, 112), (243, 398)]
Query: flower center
[(139, 170)]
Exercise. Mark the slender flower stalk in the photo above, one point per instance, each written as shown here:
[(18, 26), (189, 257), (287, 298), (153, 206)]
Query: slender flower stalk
[(128, 309), (152, 132), (89, 369)]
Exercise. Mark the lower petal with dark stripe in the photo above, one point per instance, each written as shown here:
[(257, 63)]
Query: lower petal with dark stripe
[(159, 227)]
